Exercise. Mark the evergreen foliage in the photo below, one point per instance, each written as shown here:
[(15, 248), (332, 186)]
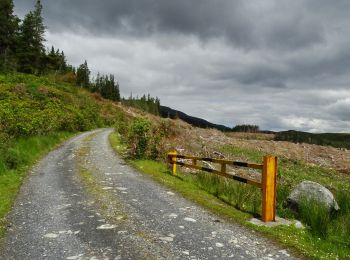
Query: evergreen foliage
[(83, 75), (8, 34), (31, 51), (246, 128), (107, 87), (55, 61), (340, 140), (147, 104)]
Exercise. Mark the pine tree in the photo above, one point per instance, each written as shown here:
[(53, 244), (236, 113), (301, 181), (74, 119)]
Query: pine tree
[(8, 33), (83, 75), (31, 48)]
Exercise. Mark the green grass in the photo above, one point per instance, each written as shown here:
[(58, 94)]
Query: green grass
[(239, 202), (316, 216), (15, 163), (185, 184)]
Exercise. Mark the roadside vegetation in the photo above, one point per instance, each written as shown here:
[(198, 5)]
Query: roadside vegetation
[(144, 142)]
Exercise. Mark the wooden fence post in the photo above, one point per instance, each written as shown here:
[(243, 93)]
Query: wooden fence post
[(268, 186), (172, 157)]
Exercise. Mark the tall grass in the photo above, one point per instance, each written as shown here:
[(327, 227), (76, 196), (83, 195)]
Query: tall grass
[(341, 225), (316, 215), (242, 196)]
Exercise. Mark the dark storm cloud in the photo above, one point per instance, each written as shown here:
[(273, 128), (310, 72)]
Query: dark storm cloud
[(245, 24), (277, 63)]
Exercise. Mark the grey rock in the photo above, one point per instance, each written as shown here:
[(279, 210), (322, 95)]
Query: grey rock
[(278, 222), (312, 191), (298, 225)]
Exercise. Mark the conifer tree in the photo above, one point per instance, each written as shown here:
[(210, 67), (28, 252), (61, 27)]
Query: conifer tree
[(8, 32), (31, 47), (83, 75)]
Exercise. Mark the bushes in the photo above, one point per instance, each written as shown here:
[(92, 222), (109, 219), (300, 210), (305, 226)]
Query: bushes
[(31, 105), (145, 139), (139, 133)]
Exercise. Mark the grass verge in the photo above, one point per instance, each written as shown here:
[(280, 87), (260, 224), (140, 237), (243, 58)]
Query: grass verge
[(210, 193), (15, 163)]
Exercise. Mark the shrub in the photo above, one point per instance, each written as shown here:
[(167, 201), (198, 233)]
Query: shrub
[(13, 158), (138, 137)]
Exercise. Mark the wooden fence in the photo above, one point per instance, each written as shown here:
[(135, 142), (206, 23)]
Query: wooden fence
[(268, 177)]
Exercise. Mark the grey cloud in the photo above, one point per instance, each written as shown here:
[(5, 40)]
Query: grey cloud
[(341, 109), (244, 24), (277, 63)]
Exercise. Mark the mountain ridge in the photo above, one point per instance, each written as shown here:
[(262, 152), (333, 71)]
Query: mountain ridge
[(168, 112)]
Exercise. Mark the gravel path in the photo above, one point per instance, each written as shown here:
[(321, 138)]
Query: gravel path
[(116, 213)]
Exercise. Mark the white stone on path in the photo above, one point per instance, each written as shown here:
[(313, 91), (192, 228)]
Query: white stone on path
[(69, 232), (51, 235), (170, 193), (190, 219), (166, 239), (284, 252), (219, 245), (107, 188), (186, 252), (74, 257), (121, 232), (121, 188), (173, 215), (106, 226)]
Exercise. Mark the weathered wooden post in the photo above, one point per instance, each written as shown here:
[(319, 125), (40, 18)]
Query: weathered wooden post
[(268, 186), (172, 159)]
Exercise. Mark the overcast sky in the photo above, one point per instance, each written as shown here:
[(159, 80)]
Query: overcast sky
[(279, 64)]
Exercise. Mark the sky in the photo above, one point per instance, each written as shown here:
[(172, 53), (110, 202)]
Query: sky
[(279, 64)]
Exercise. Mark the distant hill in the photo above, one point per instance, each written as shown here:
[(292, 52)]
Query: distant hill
[(195, 121), (333, 139)]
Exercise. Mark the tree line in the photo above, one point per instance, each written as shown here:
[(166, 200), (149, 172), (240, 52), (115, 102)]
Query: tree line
[(148, 104), (22, 50), (246, 128)]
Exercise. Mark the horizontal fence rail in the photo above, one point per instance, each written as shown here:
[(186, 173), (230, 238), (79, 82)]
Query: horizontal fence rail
[(268, 177)]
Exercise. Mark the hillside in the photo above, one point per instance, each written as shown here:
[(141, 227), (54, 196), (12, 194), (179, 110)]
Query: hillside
[(168, 112), (332, 139), (31, 105), (338, 140)]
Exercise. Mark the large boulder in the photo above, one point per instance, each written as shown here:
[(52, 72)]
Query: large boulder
[(313, 191)]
